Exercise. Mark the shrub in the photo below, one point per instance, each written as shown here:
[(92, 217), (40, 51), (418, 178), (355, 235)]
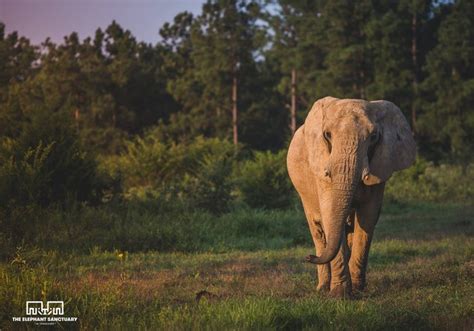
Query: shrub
[(24, 175), (426, 182), (209, 186), (45, 164), (263, 182), (197, 174)]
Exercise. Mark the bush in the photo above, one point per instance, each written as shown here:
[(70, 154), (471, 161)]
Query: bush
[(45, 164), (426, 182), (207, 181), (197, 174), (264, 183), (209, 186)]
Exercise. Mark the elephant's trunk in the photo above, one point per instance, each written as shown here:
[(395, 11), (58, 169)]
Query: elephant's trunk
[(336, 203), (334, 212)]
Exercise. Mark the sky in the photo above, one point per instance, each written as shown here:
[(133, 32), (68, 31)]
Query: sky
[(39, 19)]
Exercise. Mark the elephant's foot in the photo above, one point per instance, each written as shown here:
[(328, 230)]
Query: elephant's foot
[(324, 278), (323, 287), (358, 284), (341, 291)]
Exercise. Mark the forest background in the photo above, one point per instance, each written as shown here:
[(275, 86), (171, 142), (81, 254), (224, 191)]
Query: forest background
[(108, 144)]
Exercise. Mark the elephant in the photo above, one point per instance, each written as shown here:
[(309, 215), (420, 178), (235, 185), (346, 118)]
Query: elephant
[(338, 162)]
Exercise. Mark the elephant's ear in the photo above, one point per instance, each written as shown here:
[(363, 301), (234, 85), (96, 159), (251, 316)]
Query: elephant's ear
[(297, 160), (313, 134), (396, 148)]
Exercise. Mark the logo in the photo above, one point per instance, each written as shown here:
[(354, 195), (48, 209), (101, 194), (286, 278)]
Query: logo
[(52, 308), (49, 313)]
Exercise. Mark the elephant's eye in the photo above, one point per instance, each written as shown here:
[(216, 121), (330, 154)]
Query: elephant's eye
[(327, 135), (374, 137), (327, 138)]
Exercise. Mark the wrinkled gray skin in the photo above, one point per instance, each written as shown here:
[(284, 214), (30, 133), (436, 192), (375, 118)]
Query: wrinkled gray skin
[(339, 161)]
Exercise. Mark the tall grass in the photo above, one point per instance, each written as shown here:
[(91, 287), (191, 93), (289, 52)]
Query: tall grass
[(419, 278), (140, 227)]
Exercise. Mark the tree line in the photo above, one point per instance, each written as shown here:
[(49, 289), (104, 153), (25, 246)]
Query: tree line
[(249, 71)]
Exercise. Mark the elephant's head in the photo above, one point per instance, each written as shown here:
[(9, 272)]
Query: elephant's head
[(350, 143)]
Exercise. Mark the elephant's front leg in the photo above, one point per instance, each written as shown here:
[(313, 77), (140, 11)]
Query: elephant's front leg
[(323, 270), (341, 286), (366, 217)]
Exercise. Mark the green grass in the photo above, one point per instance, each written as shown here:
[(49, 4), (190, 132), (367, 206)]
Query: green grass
[(144, 227), (250, 263)]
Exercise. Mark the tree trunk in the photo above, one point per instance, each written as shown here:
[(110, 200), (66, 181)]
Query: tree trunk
[(414, 50), (293, 101), (234, 110)]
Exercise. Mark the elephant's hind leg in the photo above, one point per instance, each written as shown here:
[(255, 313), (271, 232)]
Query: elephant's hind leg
[(350, 230), (323, 270)]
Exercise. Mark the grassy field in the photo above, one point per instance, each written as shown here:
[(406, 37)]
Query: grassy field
[(420, 276)]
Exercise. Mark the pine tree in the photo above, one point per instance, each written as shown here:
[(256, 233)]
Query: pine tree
[(17, 64), (17, 58), (348, 61), (298, 47), (399, 35), (448, 119), (217, 49)]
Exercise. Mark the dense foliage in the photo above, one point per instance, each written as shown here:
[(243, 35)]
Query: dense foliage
[(197, 174), (418, 54), (263, 181), (46, 164), (112, 119)]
